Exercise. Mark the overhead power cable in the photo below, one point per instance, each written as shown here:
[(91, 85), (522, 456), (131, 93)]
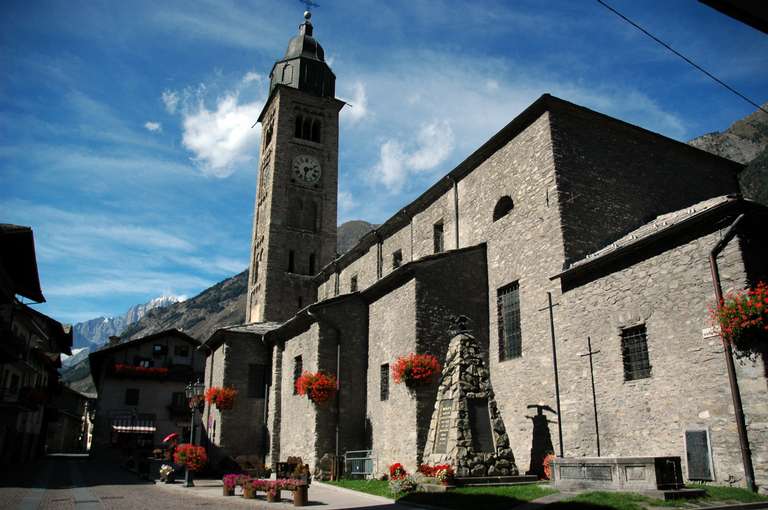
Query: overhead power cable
[(691, 62)]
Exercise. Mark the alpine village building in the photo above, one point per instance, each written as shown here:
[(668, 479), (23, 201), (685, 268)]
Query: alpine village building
[(141, 385), (31, 345), (614, 222)]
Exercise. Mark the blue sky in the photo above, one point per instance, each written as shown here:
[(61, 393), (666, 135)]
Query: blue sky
[(125, 127)]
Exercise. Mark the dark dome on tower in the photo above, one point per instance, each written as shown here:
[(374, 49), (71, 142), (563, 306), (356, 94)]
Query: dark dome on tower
[(303, 67)]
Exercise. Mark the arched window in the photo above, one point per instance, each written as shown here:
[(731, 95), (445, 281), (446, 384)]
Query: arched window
[(316, 131), (311, 263), (299, 123), (291, 257), (296, 213), (306, 129), (503, 206), (287, 73)]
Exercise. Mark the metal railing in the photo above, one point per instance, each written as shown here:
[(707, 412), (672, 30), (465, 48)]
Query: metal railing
[(359, 463)]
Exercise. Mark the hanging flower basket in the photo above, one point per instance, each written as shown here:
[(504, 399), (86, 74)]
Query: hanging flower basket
[(193, 457), (743, 320), (222, 398), (318, 387), (134, 370), (416, 369)]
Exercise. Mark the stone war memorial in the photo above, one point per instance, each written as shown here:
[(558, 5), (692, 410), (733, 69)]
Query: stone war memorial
[(586, 251)]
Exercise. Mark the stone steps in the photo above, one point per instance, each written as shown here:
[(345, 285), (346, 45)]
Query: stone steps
[(490, 481)]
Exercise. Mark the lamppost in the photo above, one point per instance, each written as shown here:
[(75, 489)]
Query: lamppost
[(194, 394)]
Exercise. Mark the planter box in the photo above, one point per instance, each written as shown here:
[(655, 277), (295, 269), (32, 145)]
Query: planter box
[(634, 474)]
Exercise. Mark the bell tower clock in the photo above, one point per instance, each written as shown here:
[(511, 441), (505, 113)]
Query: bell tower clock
[(294, 220)]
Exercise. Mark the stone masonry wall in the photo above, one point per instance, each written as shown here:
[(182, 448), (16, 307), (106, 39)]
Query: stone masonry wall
[(523, 246), (298, 426), (620, 177), (214, 376), (392, 333), (688, 387)]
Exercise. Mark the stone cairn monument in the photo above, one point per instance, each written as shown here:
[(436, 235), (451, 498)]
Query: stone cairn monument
[(467, 430)]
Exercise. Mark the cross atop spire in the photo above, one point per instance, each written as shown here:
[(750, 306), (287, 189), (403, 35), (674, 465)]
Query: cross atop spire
[(309, 4)]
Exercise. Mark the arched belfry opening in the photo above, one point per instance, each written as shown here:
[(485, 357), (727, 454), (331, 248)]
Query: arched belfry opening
[(503, 207)]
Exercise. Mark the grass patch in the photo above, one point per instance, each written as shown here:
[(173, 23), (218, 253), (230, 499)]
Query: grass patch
[(477, 498), (480, 498), (604, 500), (375, 487), (718, 493)]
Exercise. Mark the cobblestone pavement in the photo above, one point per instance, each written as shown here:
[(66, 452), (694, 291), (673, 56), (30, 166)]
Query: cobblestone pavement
[(83, 483)]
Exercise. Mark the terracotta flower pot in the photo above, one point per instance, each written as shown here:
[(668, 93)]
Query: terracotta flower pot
[(300, 496), (229, 491), (272, 497), (248, 492)]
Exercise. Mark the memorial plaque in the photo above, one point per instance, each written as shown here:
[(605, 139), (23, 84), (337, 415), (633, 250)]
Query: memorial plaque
[(697, 453), (443, 425), (572, 472), (480, 425), (635, 472), (599, 473)]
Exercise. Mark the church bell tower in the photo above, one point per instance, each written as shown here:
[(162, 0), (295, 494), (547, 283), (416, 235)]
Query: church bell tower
[(294, 219)]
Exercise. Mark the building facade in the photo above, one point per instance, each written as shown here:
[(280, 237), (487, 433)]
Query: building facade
[(140, 385), (614, 223)]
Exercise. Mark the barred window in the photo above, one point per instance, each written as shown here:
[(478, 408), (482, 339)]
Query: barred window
[(510, 335), (298, 368), (353, 284), (384, 382), (634, 351)]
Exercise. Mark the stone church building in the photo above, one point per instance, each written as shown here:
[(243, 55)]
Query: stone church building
[(613, 222)]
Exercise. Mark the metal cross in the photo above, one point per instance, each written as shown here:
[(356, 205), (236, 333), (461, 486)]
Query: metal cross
[(591, 353), (309, 4), (550, 306)]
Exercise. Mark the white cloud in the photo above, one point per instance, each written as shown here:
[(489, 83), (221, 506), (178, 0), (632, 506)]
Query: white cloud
[(251, 77), (170, 100), (221, 139), (153, 126), (357, 106), (433, 145)]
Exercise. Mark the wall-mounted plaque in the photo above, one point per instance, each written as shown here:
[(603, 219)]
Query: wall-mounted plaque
[(480, 425), (443, 425), (697, 453)]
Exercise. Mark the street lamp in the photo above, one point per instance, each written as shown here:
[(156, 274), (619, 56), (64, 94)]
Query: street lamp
[(194, 394)]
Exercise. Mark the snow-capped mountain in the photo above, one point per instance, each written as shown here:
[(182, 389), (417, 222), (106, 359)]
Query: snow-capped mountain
[(97, 331)]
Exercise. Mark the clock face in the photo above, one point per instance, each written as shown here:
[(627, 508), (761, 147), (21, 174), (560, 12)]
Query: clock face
[(306, 169)]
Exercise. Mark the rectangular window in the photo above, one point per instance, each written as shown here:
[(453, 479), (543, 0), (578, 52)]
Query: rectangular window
[(353, 284), (438, 237), (132, 397), (510, 334), (291, 261), (181, 351), (397, 259), (335, 284), (257, 380), (159, 350), (384, 382), (298, 368), (634, 351)]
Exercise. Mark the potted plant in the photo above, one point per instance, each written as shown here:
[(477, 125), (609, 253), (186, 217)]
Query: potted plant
[(743, 320), (230, 482), (318, 387), (300, 493), (415, 369), (273, 491)]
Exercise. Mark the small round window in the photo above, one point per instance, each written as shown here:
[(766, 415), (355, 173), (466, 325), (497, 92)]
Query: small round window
[(503, 206)]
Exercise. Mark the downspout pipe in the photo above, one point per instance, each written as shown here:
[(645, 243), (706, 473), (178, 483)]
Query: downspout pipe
[(337, 333), (741, 426)]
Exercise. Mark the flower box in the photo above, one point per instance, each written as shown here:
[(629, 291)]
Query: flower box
[(415, 369), (318, 387), (743, 320), (222, 398), (135, 370)]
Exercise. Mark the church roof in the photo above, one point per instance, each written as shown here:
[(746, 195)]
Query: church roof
[(304, 45), (545, 103), (663, 226), (252, 328)]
